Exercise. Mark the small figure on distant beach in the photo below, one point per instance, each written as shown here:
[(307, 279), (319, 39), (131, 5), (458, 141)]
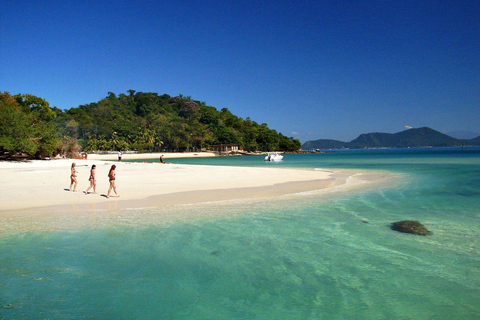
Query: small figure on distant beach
[(161, 159), (73, 177), (93, 182), (111, 179), (119, 156)]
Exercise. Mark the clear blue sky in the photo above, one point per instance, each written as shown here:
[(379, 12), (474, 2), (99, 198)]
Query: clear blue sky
[(329, 69)]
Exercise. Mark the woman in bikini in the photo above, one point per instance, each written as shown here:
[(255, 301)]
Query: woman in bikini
[(111, 178), (73, 177), (93, 182)]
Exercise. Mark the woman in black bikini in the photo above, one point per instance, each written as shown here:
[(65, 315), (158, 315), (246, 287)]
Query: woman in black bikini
[(93, 182), (111, 178), (73, 177)]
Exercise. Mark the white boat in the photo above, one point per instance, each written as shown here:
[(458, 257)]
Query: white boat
[(273, 157)]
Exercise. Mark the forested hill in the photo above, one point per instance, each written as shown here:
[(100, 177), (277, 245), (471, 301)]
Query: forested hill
[(419, 137), (142, 121), (147, 121)]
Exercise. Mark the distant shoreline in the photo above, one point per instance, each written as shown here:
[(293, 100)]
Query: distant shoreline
[(155, 155)]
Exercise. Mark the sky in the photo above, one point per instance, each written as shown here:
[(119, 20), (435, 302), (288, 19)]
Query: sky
[(321, 69)]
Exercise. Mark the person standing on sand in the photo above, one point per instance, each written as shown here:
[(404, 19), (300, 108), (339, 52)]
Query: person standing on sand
[(93, 182), (111, 179), (119, 156), (73, 177)]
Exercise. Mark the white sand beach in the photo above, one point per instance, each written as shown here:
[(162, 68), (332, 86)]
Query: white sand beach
[(156, 155), (34, 184)]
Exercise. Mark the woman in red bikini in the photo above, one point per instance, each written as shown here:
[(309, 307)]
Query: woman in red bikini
[(111, 178)]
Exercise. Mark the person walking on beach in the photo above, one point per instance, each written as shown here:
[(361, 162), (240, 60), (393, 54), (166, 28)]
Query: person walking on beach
[(73, 177), (119, 156), (93, 182), (161, 159), (111, 179)]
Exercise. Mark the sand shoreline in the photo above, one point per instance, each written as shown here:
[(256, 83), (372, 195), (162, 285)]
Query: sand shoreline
[(149, 156), (28, 186)]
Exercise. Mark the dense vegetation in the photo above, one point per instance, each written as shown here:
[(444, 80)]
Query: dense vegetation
[(419, 137), (134, 121), (26, 126)]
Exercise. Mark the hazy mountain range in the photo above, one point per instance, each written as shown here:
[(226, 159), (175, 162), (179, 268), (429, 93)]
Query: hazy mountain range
[(417, 137), (463, 134)]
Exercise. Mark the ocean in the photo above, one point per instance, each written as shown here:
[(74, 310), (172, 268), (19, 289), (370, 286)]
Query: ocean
[(309, 256)]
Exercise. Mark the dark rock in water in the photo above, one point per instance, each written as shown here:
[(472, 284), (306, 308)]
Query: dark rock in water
[(410, 226)]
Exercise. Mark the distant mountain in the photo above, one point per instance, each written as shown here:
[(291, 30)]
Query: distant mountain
[(476, 141), (325, 144), (419, 137), (465, 135)]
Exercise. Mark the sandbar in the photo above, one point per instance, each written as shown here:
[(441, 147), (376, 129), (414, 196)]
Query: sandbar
[(36, 184)]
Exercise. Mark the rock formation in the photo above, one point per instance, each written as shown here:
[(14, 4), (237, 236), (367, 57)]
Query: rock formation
[(410, 226)]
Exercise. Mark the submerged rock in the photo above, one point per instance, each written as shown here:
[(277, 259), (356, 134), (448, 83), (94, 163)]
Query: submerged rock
[(410, 226)]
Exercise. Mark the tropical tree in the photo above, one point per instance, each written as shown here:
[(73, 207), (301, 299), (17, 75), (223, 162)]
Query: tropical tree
[(148, 121), (14, 127), (26, 126)]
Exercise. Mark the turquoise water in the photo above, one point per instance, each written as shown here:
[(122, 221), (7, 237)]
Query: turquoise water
[(311, 258)]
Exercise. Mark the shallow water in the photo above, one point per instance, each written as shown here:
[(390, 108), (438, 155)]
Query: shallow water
[(312, 257)]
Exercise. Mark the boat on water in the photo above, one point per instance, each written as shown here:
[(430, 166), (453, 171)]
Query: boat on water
[(273, 157)]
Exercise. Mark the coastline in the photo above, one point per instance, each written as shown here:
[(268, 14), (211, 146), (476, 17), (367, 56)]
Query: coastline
[(149, 156), (28, 186)]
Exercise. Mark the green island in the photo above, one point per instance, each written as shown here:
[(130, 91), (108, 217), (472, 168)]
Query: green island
[(139, 121)]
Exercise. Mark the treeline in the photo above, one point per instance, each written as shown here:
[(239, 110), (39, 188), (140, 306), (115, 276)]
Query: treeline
[(139, 121), (27, 127)]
